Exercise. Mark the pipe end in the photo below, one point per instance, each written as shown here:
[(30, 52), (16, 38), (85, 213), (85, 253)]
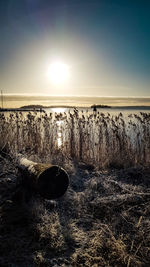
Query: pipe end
[(53, 182)]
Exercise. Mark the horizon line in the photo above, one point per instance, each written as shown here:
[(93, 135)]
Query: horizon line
[(36, 94)]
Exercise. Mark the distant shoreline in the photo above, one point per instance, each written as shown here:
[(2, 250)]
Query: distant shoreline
[(40, 108)]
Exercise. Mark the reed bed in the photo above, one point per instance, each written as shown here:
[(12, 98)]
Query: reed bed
[(100, 139), (103, 219)]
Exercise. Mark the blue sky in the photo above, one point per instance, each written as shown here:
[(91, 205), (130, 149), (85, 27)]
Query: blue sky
[(105, 43)]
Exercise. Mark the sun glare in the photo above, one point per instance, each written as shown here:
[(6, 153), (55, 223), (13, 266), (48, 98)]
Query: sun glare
[(58, 110), (59, 73)]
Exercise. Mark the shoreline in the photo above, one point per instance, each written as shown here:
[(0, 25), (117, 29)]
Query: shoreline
[(41, 108)]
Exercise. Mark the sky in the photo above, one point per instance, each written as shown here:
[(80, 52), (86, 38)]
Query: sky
[(105, 43)]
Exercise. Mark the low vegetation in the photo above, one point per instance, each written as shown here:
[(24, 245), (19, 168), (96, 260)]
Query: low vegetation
[(103, 219)]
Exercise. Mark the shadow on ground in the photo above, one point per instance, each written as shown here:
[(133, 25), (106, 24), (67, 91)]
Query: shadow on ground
[(102, 220)]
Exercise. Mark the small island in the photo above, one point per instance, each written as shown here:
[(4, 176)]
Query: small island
[(100, 106), (40, 107)]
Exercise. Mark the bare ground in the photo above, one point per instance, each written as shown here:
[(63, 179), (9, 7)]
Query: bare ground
[(102, 220)]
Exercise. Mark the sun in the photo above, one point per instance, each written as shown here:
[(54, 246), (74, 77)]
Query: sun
[(59, 73)]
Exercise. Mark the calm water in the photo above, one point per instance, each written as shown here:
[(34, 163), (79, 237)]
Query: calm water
[(113, 111)]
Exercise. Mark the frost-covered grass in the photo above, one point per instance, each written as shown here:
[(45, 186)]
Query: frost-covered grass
[(102, 220)]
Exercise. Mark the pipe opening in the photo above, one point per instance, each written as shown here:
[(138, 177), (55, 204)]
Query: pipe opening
[(53, 182)]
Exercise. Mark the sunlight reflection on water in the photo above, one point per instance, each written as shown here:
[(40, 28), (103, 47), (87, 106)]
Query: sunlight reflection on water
[(59, 134), (59, 142), (58, 110)]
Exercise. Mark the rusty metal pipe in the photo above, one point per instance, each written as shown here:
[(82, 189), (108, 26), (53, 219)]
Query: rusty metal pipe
[(50, 181)]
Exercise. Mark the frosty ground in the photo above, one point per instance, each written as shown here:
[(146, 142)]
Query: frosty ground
[(102, 220)]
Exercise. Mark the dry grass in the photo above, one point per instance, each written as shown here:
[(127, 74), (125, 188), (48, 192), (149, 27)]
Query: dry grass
[(103, 219), (100, 139)]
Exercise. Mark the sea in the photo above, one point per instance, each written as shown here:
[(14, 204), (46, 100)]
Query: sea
[(125, 105)]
